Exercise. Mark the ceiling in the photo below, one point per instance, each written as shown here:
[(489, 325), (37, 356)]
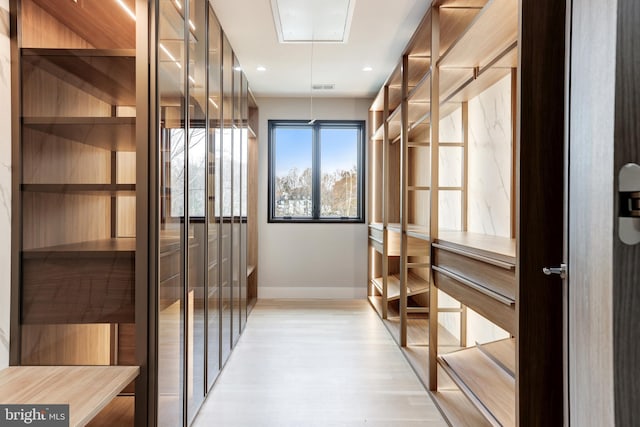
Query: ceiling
[(379, 32)]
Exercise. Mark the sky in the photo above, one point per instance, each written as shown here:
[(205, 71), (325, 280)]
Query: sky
[(339, 149)]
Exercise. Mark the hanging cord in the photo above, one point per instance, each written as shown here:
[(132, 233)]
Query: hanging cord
[(311, 119)]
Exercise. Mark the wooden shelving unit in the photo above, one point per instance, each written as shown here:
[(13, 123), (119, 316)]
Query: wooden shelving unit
[(109, 133), (78, 150), (489, 387), (415, 286), (428, 143), (121, 259), (252, 207)]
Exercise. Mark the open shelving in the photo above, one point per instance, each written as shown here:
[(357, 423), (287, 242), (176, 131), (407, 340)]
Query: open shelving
[(447, 157), (122, 260), (484, 381)]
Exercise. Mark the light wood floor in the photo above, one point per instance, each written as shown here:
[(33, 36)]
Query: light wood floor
[(317, 363)]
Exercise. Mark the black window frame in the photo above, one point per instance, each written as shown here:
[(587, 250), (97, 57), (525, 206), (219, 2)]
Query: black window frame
[(316, 170)]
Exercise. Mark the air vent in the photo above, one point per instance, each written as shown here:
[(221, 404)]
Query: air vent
[(324, 87)]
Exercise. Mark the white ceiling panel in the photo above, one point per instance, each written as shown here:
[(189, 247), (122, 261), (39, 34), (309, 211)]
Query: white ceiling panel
[(300, 21), (380, 29)]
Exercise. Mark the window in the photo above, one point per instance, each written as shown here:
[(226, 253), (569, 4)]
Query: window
[(316, 171)]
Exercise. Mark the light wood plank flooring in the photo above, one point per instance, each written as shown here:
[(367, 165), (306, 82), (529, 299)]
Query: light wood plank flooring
[(317, 363)]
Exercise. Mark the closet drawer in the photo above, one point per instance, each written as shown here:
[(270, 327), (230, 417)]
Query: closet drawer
[(499, 312), (376, 233), (496, 275), (375, 243)]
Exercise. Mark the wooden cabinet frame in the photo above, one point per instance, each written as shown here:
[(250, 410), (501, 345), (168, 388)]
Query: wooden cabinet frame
[(474, 44)]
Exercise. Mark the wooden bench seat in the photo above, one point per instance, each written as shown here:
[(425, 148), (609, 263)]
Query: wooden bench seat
[(87, 389)]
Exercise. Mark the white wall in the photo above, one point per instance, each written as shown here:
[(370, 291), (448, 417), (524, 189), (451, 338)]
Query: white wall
[(308, 260), (5, 183)]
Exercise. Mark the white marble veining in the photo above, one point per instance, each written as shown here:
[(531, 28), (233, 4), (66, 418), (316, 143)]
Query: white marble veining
[(489, 209), (451, 127), (450, 166), (449, 210), (5, 183)]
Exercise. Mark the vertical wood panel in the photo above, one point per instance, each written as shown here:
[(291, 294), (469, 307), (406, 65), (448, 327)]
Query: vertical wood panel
[(435, 182), (50, 159), (591, 210), (40, 29), (56, 219), (465, 166), (626, 259), (62, 98), (88, 344), (540, 177)]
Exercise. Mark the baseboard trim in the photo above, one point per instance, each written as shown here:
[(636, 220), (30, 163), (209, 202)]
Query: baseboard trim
[(273, 292)]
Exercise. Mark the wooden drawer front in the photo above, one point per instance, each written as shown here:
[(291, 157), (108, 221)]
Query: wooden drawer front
[(377, 244), (71, 290), (376, 233), (498, 277), (415, 246), (497, 312)]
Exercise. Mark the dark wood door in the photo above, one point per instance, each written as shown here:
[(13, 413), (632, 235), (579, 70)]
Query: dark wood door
[(626, 258), (603, 298)]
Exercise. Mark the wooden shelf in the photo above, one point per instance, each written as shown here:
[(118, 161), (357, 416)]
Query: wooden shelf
[(421, 93), (420, 44), (417, 244), (503, 353), (102, 24), (500, 248), (415, 285), (86, 389), (489, 34), (94, 248), (394, 227), (418, 67), (109, 133), (376, 226), (92, 189), (413, 230), (460, 85), (107, 74), (395, 125), (484, 383), (394, 81), (418, 231), (455, 19)]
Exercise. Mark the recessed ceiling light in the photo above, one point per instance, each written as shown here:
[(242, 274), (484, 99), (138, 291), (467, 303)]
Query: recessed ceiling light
[(261, 68), (367, 69)]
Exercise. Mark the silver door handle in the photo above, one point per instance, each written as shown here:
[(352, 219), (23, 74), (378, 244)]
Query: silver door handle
[(561, 271), (629, 207)]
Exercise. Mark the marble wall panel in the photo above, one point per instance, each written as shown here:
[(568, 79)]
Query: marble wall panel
[(489, 210)]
